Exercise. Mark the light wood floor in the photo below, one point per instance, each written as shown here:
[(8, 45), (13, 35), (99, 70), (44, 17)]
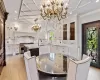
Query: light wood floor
[(15, 70)]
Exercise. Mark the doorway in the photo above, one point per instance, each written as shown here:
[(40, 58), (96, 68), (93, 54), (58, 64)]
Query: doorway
[(91, 41)]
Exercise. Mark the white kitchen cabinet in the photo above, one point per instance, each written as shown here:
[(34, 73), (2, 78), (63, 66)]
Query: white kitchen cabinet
[(70, 50), (66, 50), (12, 49), (59, 49), (56, 49), (44, 49), (53, 49), (73, 51)]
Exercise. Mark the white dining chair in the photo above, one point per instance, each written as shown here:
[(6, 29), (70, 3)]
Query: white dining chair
[(31, 68), (78, 70)]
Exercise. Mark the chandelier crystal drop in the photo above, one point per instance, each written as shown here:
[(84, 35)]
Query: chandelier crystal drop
[(54, 8)]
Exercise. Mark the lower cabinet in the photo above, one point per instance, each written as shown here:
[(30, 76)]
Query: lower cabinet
[(71, 51), (44, 49), (34, 51), (59, 49), (53, 49), (66, 50)]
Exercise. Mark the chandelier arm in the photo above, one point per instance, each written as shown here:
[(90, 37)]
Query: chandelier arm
[(54, 9), (58, 18), (43, 16), (63, 16)]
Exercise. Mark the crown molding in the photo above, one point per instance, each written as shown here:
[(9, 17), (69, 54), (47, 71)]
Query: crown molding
[(89, 13)]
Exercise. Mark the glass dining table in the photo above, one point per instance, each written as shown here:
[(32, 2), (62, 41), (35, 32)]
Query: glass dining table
[(53, 63)]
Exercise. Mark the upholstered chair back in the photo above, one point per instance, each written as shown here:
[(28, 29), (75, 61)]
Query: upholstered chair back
[(31, 68), (78, 70)]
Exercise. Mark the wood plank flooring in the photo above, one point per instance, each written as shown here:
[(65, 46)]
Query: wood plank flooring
[(15, 70)]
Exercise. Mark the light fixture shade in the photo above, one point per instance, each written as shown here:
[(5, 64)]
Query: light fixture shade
[(15, 28), (36, 27)]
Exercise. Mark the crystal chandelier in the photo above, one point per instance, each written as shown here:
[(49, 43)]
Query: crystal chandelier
[(54, 8), (36, 27)]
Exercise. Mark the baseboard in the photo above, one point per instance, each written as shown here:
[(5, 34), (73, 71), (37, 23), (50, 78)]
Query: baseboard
[(9, 55)]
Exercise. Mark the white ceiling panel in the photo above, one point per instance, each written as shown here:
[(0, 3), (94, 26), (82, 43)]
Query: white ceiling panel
[(38, 2), (24, 8), (71, 6), (88, 8), (84, 2), (32, 6), (28, 1), (30, 9)]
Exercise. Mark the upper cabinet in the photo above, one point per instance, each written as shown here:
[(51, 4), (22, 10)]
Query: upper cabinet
[(65, 32), (72, 31)]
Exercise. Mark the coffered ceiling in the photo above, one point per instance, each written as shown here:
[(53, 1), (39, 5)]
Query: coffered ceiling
[(25, 11)]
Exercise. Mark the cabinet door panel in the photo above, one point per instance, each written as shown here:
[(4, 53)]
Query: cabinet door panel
[(66, 50), (73, 51), (72, 31), (44, 50)]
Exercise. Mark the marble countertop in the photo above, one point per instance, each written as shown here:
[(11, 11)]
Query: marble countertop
[(52, 44), (65, 45), (30, 46)]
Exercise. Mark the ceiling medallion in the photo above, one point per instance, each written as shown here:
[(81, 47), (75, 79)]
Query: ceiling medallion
[(36, 27), (54, 8)]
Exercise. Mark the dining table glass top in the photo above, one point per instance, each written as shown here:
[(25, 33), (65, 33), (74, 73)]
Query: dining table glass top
[(53, 63)]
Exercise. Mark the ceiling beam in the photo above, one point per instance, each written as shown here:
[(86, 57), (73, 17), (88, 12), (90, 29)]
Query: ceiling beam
[(85, 4), (35, 4), (25, 22), (20, 8), (77, 5), (29, 10), (26, 6), (26, 18), (82, 5), (29, 15)]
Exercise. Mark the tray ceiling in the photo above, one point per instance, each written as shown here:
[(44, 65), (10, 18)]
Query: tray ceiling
[(28, 10)]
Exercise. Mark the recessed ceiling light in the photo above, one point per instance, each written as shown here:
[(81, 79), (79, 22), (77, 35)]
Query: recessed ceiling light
[(16, 12), (97, 0), (70, 12)]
